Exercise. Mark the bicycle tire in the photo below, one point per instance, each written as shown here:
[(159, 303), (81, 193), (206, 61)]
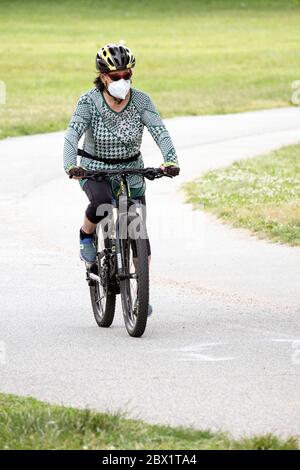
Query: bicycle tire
[(135, 316)]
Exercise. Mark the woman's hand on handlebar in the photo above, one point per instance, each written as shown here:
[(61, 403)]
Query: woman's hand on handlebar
[(76, 172), (170, 169)]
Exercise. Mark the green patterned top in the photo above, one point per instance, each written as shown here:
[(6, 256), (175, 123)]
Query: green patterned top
[(110, 134)]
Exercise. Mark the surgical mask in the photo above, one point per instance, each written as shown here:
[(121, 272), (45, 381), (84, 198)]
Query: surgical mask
[(119, 89)]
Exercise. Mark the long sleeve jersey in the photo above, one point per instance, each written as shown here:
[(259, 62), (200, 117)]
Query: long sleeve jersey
[(109, 134)]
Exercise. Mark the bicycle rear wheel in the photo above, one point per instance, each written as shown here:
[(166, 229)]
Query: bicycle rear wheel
[(135, 285), (103, 295)]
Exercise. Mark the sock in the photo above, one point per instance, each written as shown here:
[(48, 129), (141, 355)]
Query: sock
[(84, 235)]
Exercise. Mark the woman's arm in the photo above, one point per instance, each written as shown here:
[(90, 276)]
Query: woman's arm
[(152, 120), (79, 123)]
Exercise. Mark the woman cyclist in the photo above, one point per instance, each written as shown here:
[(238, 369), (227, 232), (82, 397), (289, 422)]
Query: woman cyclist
[(112, 116)]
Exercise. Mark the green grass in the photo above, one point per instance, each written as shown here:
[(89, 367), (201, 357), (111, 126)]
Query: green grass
[(26, 423), (261, 194), (193, 56)]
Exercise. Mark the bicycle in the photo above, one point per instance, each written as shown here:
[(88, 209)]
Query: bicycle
[(122, 265)]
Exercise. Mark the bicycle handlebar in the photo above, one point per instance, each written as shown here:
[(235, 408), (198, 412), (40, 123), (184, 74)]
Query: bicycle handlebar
[(149, 173)]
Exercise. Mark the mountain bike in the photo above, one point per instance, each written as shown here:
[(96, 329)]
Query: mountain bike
[(122, 265)]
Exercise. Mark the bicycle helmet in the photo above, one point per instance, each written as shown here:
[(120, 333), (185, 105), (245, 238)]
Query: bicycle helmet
[(113, 57)]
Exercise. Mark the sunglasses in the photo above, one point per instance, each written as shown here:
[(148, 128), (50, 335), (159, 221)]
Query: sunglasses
[(118, 76)]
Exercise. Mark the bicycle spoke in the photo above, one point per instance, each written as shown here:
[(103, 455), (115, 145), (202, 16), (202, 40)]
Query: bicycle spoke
[(100, 298)]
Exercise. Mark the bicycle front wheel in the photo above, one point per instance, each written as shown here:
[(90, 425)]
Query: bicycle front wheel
[(135, 285)]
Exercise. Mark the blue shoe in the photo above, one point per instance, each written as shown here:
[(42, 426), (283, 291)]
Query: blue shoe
[(88, 250), (150, 310)]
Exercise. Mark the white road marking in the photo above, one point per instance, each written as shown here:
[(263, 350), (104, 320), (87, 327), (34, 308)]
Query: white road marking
[(196, 353)]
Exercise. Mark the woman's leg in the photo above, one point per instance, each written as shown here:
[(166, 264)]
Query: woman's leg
[(88, 226), (98, 192)]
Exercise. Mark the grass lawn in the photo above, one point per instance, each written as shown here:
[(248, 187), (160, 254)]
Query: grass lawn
[(261, 194), (193, 56), (26, 423)]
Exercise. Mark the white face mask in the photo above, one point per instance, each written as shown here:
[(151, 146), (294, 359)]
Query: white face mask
[(119, 89)]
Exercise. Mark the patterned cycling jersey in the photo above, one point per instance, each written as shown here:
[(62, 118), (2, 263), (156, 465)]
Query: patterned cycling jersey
[(115, 135)]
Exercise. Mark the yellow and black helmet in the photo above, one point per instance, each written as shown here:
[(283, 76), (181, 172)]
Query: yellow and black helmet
[(114, 57)]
